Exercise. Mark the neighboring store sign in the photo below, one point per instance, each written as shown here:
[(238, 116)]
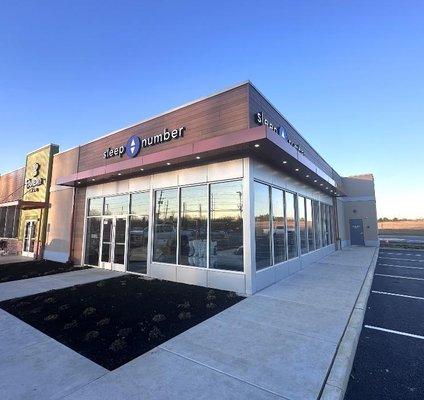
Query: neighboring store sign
[(35, 182), (135, 143), (261, 120)]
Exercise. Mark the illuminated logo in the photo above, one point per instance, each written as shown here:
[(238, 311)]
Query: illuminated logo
[(35, 169), (133, 146)]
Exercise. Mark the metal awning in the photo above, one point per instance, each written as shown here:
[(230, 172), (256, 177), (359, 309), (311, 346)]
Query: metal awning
[(25, 204)]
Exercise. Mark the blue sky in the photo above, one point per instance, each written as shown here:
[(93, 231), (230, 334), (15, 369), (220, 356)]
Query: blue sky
[(348, 75)]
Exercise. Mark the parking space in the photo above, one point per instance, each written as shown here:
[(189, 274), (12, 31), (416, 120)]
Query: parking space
[(390, 354)]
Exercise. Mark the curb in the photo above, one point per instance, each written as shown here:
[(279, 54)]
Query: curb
[(339, 374)]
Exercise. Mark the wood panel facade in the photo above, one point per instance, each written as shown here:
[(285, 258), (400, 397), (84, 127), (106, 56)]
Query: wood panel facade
[(12, 185)]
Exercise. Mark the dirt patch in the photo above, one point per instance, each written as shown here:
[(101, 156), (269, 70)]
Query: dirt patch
[(33, 269), (116, 320)]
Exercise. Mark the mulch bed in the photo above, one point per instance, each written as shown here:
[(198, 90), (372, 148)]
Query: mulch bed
[(116, 320), (33, 269)]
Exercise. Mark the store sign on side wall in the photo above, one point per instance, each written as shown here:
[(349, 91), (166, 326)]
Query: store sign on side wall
[(260, 119), (35, 182)]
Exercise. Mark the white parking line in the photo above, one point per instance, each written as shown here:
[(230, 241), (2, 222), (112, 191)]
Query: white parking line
[(392, 331), (397, 294), (398, 266), (401, 259), (401, 254), (401, 277)]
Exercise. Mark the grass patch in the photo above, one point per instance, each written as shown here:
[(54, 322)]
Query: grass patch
[(122, 318)]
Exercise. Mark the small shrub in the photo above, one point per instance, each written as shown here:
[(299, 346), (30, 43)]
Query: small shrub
[(63, 307), (24, 276), (50, 300), (155, 333), (50, 317), (36, 310), (103, 322), (124, 332), (100, 284), (232, 295), (184, 315), (158, 318), (117, 345), (70, 325), (210, 296), (141, 326), (89, 311), (91, 335), (123, 283), (184, 306), (210, 306)]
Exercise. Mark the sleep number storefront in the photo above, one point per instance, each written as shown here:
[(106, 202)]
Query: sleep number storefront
[(222, 192)]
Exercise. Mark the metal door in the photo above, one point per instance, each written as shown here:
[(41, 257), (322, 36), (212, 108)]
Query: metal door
[(30, 233), (356, 232), (113, 248)]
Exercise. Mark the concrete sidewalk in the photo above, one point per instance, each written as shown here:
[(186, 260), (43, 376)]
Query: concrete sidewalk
[(277, 344), (26, 287)]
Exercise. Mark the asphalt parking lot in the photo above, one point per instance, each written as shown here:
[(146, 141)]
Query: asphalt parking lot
[(390, 355)]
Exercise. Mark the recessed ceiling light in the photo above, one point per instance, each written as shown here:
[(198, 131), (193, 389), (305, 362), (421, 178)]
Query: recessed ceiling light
[(315, 181), (168, 163), (197, 158), (256, 145), (296, 169), (119, 174), (307, 176), (321, 184), (93, 179), (141, 169), (284, 162), (326, 187), (79, 183)]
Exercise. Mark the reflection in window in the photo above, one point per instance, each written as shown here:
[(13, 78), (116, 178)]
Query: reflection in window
[(291, 225), (309, 224), (302, 225), (138, 233), (226, 226), (92, 241), (324, 224), (279, 226), (116, 205), (330, 224), (317, 223), (165, 227), (262, 226), (193, 226), (95, 207)]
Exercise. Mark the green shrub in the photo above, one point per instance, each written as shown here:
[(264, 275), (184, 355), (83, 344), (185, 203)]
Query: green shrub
[(63, 307), (158, 318), (103, 322), (50, 317), (155, 333), (50, 300), (185, 306), (91, 335), (89, 311), (124, 332), (117, 345), (71, 324), (184, 315)]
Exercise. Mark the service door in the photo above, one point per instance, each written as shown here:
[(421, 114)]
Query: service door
[(356, 232), (30, 233)]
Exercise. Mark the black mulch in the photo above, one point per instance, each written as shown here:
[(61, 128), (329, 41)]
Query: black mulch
[(116, 320), (33, 269)]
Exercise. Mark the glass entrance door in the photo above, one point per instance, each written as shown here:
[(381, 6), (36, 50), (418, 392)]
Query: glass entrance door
[(30, 233), (113, 249)]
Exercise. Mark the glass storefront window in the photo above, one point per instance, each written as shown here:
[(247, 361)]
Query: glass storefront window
[(138, 233), (302, 224), (330, 223), (92, 241), (116, 205), (279, 226), (193, 226), (291, 225), (140, 203), (324, 224), (262, 226), (226, 226), (165, 226), (95, 207), (309, 224), (317, 223)]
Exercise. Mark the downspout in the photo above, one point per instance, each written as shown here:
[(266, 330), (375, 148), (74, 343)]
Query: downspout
[(72, 239)]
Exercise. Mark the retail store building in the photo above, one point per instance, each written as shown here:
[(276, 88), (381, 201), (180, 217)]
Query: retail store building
[(221, 192)]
